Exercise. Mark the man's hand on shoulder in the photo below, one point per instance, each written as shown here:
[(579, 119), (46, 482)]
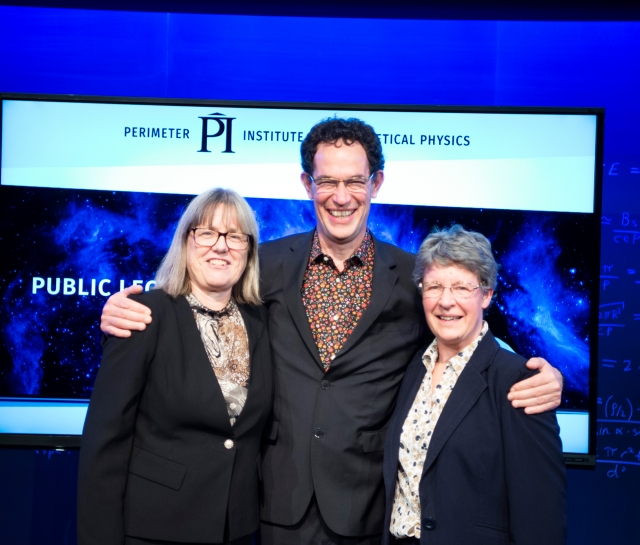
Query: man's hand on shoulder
[(540, 393), (122, 315)]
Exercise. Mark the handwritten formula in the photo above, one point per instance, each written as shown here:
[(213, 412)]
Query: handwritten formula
[(618, 418)]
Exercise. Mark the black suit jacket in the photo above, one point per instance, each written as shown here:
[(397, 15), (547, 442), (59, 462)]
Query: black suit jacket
[(153, 461), (328, 430), (493, 474)]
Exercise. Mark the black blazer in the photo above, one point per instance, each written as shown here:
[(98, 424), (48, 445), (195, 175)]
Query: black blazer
[(493, 474), (328, 430), (155, 460)]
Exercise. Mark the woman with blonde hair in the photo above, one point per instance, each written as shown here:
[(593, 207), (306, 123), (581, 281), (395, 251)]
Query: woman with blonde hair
[(171, 446)]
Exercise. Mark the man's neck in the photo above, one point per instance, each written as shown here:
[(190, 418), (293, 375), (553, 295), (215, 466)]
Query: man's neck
[(340, 252)]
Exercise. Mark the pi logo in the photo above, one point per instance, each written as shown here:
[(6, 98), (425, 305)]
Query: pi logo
[(224, 127)]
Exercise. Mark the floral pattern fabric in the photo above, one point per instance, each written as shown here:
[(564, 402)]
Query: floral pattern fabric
[(417, 431), (225, 340), (334, 301)]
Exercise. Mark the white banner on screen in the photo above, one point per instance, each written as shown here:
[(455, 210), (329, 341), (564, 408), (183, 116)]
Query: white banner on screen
[(480, 160)]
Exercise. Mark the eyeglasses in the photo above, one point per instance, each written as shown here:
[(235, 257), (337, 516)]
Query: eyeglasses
[(208, 237), (355, 184), (461, 290)]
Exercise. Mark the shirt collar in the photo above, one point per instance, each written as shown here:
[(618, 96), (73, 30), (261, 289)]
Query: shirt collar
[(458, 362), (361, 255), (195, 304)]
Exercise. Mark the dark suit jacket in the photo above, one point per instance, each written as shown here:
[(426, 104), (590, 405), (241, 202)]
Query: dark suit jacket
[(328, 430), (493, 474), (153, 461)]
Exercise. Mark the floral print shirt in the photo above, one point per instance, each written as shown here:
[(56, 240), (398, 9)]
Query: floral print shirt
[(334, 300), (416, 435)]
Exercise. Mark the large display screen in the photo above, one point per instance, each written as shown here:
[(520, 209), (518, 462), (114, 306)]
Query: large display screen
[(92, 190)]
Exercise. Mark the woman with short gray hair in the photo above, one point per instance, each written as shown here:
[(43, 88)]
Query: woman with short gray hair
[(460, 463), (171, 445), (455, 246)]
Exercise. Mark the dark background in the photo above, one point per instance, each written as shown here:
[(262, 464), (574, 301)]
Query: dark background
[(523, 54)]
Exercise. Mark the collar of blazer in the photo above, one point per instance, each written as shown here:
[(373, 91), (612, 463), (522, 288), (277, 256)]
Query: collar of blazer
[(466, 392), (468, 389), (295, 264)]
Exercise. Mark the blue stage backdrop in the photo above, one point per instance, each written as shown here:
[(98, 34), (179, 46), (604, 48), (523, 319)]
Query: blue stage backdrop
[(361, 61)]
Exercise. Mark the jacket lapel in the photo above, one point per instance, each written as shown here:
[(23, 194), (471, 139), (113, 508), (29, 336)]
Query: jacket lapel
[(414, 377), (207, 386), (294, 265), (409, 389), (384, 280), (466, 392), (256, 385)]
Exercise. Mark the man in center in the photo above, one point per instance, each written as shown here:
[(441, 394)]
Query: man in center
[(345, 319)]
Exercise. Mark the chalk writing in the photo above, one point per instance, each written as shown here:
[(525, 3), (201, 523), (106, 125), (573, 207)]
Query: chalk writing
[(626, 237), (604, 330), (618, 401), (610, 311), (608, 314), (613, 473), (619, 409), (618, 433), (624, 366), (628, 221)]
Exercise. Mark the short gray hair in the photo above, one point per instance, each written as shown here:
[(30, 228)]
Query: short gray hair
[(456, 246), (173, 277)]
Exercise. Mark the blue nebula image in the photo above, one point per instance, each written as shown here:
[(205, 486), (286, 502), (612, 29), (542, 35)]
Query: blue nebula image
[(93, 237), (52, 335), (396, 225), (280, 218), (25, 321), (50, 321), (547, 311)]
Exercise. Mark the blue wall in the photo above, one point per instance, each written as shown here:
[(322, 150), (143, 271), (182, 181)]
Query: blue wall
[(363, 61)]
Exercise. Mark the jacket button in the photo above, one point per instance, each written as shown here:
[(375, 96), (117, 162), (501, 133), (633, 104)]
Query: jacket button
[(324, 384), (318, 433), (429, 523), (228, 443)]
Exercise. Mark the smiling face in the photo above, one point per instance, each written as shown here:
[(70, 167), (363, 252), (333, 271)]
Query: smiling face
[(214, 271), (454, 322), (341, 216)]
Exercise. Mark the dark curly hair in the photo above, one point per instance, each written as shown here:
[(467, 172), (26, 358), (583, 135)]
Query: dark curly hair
[(350, 130)]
